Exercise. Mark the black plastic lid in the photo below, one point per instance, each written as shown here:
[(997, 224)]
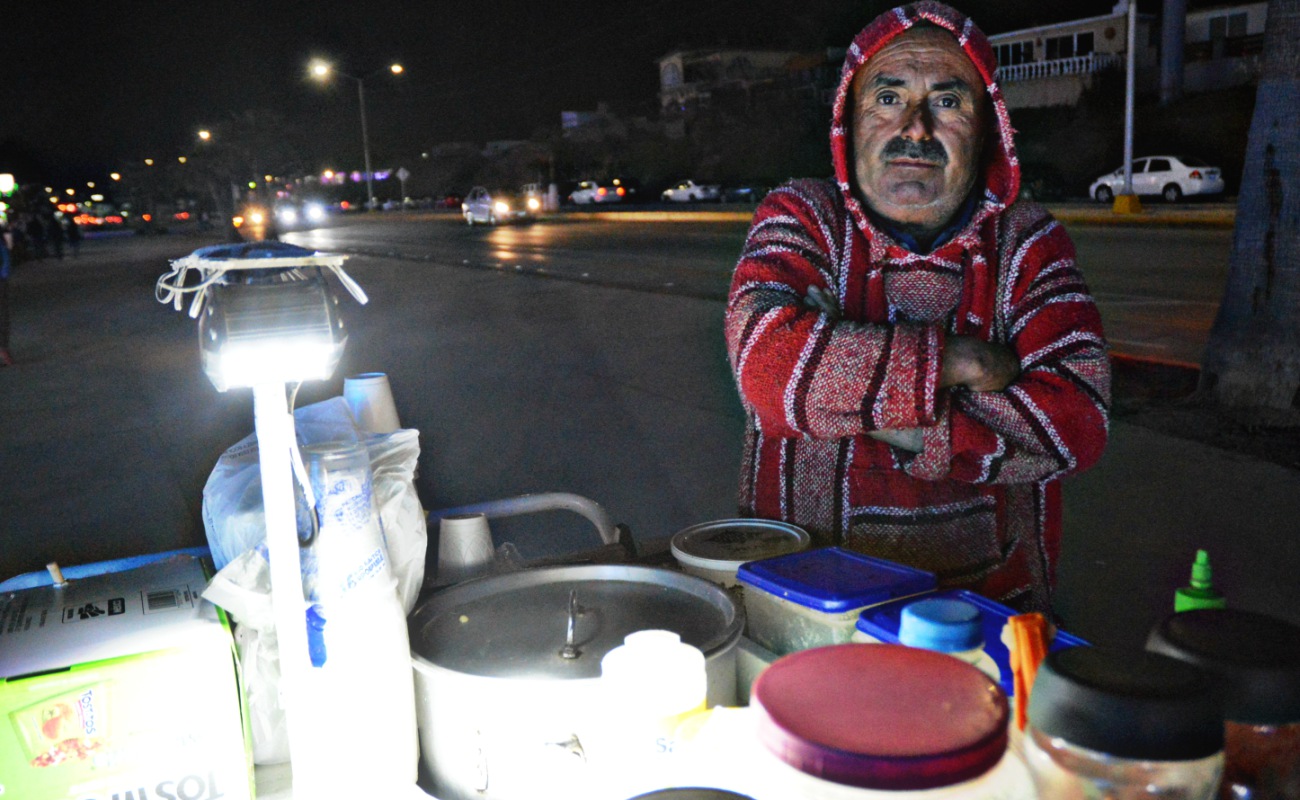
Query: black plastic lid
[(1257, 657), (1134, 705)]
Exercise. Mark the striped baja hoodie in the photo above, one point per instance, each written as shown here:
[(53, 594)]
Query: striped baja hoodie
[(981, 504)]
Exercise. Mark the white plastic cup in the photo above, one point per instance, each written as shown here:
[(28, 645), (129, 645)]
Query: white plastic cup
[(464, 547), (370, 398)]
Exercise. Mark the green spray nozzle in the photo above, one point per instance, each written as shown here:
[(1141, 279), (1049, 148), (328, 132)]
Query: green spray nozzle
[(1202, 573), (1200, 593)]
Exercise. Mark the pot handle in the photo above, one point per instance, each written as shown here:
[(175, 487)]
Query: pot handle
[(532, 503)]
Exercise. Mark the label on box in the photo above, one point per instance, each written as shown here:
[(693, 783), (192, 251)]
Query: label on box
[(159, 718)]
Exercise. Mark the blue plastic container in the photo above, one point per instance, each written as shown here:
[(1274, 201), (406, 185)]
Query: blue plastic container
[(881, 623), (813, 598)]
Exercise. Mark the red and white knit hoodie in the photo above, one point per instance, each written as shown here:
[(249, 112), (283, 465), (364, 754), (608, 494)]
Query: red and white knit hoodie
[(981, 504)]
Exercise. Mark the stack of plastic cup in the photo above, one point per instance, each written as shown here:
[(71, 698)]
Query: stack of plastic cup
[(370, 398), (464, 547)]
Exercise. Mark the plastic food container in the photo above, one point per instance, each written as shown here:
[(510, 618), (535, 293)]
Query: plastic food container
[(715, 550), (1258, 660), (813, 598), (882, 624), (860, 721), (1123, 725)]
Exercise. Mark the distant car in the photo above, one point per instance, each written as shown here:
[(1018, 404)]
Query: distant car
[(534, 197), (1171, 177), (481, 205), (598, 192), (290, 216), (688, 191), (449, 201), (744, 193)]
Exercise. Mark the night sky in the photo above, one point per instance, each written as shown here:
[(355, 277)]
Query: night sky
[(91, 86)]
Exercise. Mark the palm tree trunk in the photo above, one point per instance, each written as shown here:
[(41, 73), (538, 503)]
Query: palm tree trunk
[(1253, 356)]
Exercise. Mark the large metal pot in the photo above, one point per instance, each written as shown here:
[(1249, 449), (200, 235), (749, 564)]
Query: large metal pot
[(507, 669)]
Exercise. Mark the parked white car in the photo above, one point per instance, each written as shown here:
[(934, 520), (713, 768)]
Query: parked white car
[(598, 192), (688, 191), (1171, 177)]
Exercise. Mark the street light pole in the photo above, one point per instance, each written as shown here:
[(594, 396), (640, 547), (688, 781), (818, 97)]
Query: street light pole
[(321, 70), (365, 145)]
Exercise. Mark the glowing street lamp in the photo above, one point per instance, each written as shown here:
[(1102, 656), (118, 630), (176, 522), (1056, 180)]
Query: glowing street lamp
[(117, 176), (205, 135), (148, 162), (321, 71)]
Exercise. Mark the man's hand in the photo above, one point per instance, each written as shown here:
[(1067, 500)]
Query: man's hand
[(823, 301), (910, 439), (978, 365)]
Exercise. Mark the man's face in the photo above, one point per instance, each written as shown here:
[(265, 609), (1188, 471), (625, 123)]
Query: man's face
[(918, 124)]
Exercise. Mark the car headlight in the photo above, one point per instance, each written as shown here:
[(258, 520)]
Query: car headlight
[(256, 217), (288, 216), (534, 204), (501, 207), (315, 212)]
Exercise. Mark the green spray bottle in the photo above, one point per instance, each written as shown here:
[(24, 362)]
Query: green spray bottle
[(1200, 593)]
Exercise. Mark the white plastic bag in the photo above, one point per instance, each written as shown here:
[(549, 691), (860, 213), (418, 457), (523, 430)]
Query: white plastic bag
[(232, 497), (243, 589)]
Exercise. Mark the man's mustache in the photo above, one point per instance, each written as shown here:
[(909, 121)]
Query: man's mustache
[(925, 150)]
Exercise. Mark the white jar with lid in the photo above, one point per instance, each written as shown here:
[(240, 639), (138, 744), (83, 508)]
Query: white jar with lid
[(880, 722), (948, 626), (650, 688)]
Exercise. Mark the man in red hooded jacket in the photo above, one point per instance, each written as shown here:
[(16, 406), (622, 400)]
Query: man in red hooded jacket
[(918, 355)]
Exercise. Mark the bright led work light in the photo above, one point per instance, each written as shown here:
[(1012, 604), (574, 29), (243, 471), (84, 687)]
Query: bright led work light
[(267, 318)]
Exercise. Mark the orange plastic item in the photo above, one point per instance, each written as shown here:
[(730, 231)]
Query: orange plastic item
[(1029, 638)]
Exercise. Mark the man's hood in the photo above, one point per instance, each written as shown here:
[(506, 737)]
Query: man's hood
[(1000, 169)]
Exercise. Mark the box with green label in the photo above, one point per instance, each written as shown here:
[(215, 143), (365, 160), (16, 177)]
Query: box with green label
[(121, 686)]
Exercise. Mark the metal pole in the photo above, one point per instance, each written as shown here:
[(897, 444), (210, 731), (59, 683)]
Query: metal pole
[(1128, 97), (365, 145), (274, 424)]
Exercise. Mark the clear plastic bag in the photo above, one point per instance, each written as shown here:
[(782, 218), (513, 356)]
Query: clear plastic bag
[(232, 497)]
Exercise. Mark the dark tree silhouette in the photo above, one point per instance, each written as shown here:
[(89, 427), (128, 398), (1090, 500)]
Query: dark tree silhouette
[(1253, 357)]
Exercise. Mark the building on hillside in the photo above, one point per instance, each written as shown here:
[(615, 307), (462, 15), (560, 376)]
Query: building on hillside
[(1224, 46), (740, 81), (1052, 65), (592, 126)]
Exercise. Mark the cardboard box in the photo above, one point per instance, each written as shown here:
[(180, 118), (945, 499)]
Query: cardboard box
[(121, 686)]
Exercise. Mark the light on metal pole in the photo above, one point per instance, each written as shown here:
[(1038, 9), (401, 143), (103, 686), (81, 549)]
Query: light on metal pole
[(1127, 202), (268, 319), (321, 70)]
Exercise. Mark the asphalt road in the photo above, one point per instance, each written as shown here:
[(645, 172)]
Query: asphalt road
[(109, 430), (1158, 288)]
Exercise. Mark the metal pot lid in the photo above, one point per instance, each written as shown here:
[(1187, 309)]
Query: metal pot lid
[(558, 622)]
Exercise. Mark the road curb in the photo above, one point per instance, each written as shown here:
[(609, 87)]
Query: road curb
[(659, 216), (1225, 218)]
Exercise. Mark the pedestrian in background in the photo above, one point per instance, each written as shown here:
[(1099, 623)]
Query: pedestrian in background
[(6, 265), (54, 231), (36, 236), (72, 232)]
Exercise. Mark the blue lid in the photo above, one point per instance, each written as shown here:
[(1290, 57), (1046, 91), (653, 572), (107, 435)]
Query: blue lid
[(941, 623), (832, 579), (882, 622), (264, 249)]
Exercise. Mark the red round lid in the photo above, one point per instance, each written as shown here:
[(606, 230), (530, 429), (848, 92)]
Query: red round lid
[(881, 716)]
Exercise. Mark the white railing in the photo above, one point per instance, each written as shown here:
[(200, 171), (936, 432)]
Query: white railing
[(1078, 65)]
